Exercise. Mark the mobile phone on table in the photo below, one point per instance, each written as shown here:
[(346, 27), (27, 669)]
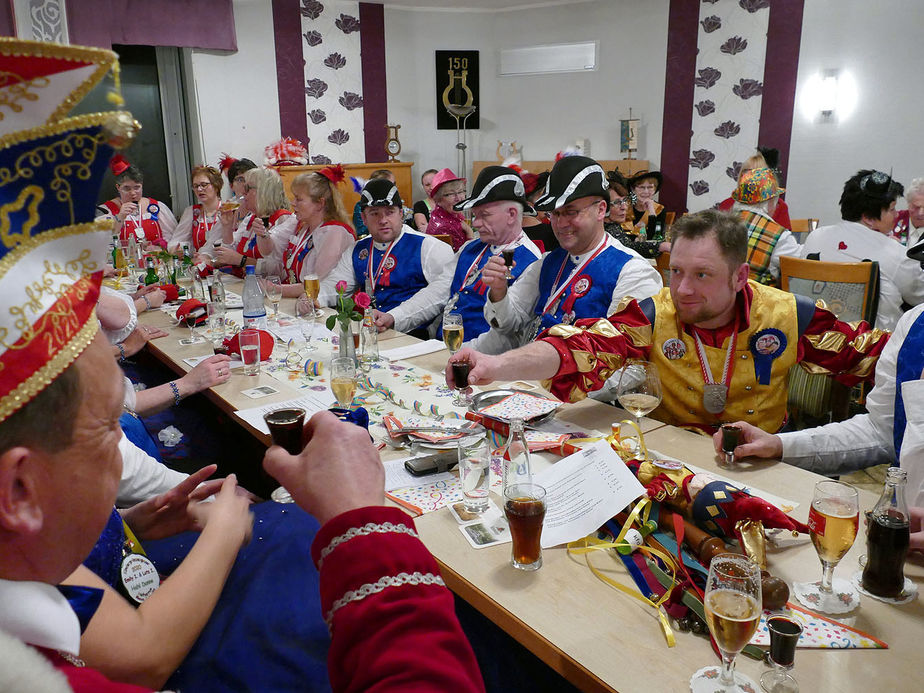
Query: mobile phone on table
[(431, 464)]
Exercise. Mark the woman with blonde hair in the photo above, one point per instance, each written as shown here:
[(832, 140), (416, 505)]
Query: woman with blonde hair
[(322, 233), (265, 230)]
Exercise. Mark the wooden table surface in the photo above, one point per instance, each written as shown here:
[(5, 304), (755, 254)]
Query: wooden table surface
[(597, 637)]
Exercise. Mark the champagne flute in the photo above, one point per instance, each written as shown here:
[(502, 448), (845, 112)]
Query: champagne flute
[(304, 316), (453, 332), (273, 286), (732, 613), (639, 388), (833, 523), (343, 381), (313, 289)]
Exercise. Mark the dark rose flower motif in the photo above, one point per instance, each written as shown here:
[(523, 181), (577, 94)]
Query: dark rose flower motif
[(315, 88), (728, 129), (734, 170), (704, 108), (311, 9), (317, 116), (753, 6), (711, 24), (734, 45), (347, 24), (319, 159), (746, 88), (335, 61), (711, 2), (708, 76), (701, 158), (313, 38), (351, 101), (338, 137), (699, 187)]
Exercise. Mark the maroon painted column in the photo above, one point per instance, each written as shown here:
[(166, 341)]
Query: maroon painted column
[(375, 87), (290, 70)]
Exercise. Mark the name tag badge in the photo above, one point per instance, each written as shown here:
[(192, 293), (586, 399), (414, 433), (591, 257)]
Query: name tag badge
[(139, 577)]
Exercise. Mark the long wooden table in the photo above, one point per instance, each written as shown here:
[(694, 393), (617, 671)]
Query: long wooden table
[(598, 638)]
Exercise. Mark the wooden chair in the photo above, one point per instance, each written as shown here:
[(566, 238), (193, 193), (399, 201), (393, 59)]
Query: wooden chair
[(444, 237), (663, 263), (801, 228), (669, 221), (851, 291)]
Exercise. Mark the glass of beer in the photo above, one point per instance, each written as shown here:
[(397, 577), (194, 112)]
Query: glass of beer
[(453, 331), (524, 507), (343, 381), (833, 522), (507, 254), (732, 613), (312, 289)]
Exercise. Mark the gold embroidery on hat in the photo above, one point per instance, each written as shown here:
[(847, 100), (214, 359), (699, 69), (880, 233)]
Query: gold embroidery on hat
[(18, 90), (29, 199), (19, 251)]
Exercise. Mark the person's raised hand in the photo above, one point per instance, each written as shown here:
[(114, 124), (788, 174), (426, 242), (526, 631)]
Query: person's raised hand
[(339, 469), (230, 513), (754, 442), (383, 321), (170, 513), (127, 209), (139, 337), (494, 274)]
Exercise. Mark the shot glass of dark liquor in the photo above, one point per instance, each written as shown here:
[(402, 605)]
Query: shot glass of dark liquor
[(524, 507), (784, 637), (507, 253), (731, 436), (285, 427), (460, 371)]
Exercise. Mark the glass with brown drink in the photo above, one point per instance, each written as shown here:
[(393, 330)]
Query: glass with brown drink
[(507, 254), (524, 507), (460, 371), (285, 426)]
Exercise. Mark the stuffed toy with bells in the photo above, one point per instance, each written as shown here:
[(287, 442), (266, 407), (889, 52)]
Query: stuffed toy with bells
[(233, 344), (192, 307)]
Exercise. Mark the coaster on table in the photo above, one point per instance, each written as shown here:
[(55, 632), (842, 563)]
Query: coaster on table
[(909, 592), (706, 680), (844, 596)]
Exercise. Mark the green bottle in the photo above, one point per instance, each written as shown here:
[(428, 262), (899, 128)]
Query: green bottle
[(150, 276)]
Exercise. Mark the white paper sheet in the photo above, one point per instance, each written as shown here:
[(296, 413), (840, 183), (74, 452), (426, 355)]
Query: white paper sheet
[(396, 476), (194, 361), (312, 403), (583, 491), (412, 350)]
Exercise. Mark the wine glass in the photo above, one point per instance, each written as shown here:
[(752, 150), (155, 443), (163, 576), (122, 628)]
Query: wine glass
[(304, 316), (343, 381), (453, 332), (639, 388), (273, 289), (190, 320), (732, 613), (833, 523), (313, 289)]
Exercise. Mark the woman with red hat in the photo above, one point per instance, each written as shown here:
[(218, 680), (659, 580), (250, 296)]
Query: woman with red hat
[(448, 189), (150, 222)]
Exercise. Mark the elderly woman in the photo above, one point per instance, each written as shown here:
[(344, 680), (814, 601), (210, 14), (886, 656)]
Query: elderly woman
[(646, 213), (756, 198), (266, 227), (197, 225), (617, 222), (448, 189), (909, 223), (322, 233), (150, 222), (766, 157)]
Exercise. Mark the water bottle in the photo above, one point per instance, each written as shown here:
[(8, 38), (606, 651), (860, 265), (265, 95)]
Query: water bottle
[(517, 468), (254, 308)]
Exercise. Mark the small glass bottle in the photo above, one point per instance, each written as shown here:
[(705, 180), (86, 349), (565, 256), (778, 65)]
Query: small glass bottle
[(642, 233), (150, 276), (887, 536), (517, 468), (369, 341)]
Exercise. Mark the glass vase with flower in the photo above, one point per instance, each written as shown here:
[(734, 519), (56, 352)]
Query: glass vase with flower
[(345, 312)]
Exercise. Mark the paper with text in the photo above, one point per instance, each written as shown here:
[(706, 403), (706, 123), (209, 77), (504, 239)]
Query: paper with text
[(312, 403)]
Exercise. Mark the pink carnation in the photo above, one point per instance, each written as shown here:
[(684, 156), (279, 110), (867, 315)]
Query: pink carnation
[(362, 300), (341, 286)]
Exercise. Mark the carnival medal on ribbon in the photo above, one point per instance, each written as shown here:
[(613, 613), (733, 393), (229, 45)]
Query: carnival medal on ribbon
[(766, 346), (580, 288), (154, 211), (385, 278)]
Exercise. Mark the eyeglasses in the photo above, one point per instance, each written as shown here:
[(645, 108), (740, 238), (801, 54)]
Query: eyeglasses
[(200, 186), (571, 214), (248, 188), (453, 193), (621, 201)]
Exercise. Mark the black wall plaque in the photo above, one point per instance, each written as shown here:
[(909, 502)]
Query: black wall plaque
[(456, 84)]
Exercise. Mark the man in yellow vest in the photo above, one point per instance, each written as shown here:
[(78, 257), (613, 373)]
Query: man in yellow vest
[(723, 344)]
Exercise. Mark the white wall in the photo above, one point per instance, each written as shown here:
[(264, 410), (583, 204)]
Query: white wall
[(881, 47), (544, 113)]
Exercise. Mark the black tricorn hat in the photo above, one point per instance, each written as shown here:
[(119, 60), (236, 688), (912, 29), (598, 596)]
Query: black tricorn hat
[(641, 175), (495, 184), (380, 192), (572, 178)]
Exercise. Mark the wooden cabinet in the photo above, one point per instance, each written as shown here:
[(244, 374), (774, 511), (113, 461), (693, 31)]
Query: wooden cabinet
[(627, 167), (401, 169)]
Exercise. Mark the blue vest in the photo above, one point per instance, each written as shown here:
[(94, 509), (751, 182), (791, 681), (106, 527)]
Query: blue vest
[(908, 366), (472, 298), (406, 277), (603, 274)]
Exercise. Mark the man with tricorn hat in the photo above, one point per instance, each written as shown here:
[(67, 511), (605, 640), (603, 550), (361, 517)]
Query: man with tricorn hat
[(586, 277), (497, 203)]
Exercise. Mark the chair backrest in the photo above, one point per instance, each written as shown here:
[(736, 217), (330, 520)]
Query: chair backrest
[(669, 218), (849, 289), (444, 237), (663, 263), (801, 228)]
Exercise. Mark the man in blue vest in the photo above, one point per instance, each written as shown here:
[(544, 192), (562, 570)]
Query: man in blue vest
[(497, 200), (394, 262)]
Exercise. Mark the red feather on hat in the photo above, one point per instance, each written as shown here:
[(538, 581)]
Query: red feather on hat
[(334, 174), (225, 162), (286, 152), (118, 164)]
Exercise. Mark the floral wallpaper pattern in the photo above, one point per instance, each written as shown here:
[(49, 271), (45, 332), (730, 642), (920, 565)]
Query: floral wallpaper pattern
[(333, 81), (732, 47)]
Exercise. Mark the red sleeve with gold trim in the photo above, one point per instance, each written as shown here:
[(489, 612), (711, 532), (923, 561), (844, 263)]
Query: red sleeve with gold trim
[(846, 351), (392, 620), (593, 349)]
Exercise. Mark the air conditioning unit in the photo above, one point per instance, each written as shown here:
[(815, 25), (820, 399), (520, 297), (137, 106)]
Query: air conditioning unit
[(541, 60)]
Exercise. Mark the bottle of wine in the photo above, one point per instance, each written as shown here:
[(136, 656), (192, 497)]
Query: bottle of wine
[(150, 277), (252, 298), (887, 536)]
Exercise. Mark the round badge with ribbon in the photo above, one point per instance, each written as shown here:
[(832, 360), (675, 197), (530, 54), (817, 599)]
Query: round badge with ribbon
[(153, 210), (580, 288), (674, 349), (364, 253), (138, 577), (766, 346)]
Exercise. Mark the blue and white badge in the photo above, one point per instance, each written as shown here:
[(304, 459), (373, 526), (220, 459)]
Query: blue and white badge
[(766, 345), (153, 210)]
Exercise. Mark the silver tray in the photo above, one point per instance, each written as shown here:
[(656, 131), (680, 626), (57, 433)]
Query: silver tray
[(484, 399)]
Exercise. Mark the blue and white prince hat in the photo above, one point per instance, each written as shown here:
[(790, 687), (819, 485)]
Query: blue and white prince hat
[(52, 252)]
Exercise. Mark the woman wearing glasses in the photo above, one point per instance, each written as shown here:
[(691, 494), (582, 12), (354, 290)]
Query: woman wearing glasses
[(646, 213), (197, 225), (619, 224), (448, 189)]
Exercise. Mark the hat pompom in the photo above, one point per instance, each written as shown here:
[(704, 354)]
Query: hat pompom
[(358, 183), (567, 151)]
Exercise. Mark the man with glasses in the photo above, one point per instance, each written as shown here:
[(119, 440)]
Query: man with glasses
[(868, 215), (586, 277), (393, 263)]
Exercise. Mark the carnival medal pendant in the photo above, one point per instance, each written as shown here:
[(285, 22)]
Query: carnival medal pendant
[(714, 397)]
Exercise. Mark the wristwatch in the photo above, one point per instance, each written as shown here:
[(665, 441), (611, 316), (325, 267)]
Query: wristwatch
[(243, 261)]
